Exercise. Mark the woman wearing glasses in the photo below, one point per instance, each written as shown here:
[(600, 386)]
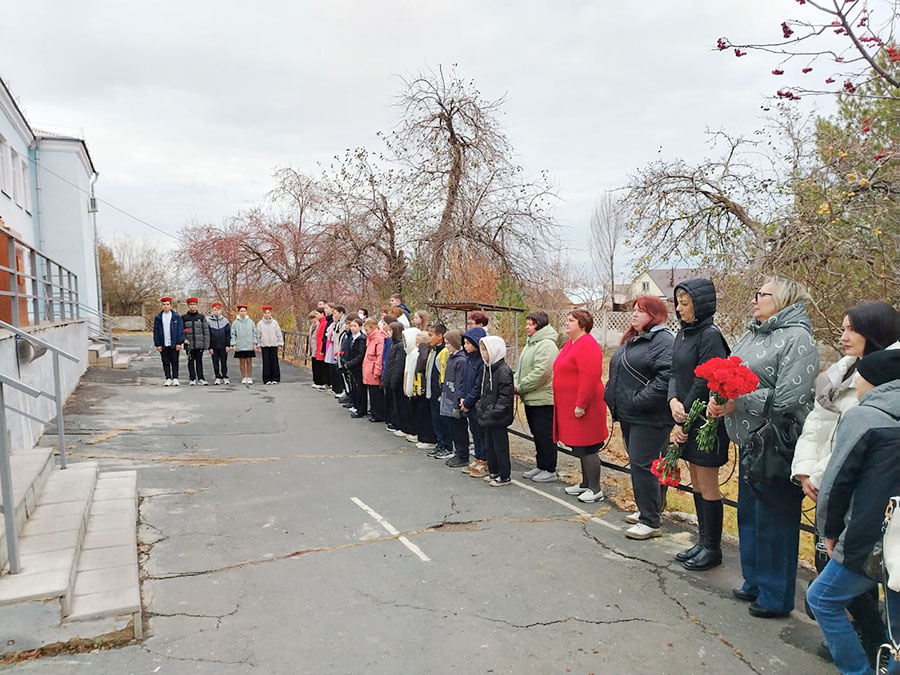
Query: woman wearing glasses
[(778, 346)]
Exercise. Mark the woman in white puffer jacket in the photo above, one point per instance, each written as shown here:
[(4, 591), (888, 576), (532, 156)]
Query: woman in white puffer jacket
[(868, 327)]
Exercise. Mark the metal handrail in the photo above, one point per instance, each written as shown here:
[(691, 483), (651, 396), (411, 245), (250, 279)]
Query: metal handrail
[(6, 489), (103, 316)]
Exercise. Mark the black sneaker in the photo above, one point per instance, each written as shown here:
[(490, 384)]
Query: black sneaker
[(435, 450), (444, 454), (391, 428), (457, 461), (356, 415)]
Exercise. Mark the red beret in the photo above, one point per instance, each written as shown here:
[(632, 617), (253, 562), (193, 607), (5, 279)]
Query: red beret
[(165, 298), (265, 307), (194, 300), (216, 304), (242, 306)]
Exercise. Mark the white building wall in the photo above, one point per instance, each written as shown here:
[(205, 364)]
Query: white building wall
[(15, 137)]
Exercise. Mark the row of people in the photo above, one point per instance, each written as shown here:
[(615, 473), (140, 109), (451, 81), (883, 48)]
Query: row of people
[(196, 334)]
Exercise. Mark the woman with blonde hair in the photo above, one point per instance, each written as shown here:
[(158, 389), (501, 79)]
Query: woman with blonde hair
[(778, 347)]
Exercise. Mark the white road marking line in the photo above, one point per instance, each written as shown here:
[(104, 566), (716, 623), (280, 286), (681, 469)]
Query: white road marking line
[(569, 506), (391, 529)]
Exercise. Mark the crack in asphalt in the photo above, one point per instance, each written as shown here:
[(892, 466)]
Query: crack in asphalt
[(659, 571), (197, 659)]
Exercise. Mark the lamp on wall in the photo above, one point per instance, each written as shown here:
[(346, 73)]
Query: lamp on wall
[(27, 352)]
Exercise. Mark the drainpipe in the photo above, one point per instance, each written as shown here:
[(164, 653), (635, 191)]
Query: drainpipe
[(92, 208), (36, 218)]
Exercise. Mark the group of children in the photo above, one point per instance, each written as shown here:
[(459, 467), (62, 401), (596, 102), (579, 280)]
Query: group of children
[(432, 386), (197, 333)]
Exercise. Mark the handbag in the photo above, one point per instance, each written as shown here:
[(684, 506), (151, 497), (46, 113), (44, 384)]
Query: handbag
[(767, 455)]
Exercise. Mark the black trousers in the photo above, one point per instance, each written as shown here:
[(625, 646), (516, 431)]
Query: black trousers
[(540, 421), (337, 381), (376, 402), (496, 445), (388, 405), (645, 444), (459, 432), (170, 362), (421, 412), (271, 370), (220, 362), (358, 392), (319, 369), (195, 364), (401, 411)]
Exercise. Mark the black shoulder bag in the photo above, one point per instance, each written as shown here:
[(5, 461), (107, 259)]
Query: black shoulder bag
[(767, 455)]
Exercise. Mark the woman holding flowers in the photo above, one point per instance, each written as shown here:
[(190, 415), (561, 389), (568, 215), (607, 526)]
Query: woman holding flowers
[(698, 341), (636, 395), (779, 348)]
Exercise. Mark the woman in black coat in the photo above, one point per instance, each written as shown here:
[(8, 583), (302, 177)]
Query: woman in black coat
[(698, 341), (636, 396), (393, 383)]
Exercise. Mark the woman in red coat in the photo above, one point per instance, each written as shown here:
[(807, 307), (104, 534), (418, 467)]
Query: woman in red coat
[(579, 411), (373, 364)]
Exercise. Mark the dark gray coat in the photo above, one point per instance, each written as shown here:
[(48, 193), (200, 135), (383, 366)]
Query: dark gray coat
[(638, 386)]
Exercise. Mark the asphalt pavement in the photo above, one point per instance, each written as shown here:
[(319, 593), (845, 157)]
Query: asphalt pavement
[(280, 536)]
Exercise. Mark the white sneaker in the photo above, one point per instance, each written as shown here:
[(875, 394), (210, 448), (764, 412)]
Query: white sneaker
[(425, 446), (575, 490), (203, 383), (217, 381), (225, 380), (633, 518), (193, 383), (249, 380), (544, 477), (589, 497), (168, 383), (412, 438), (399, 434), (175, 382), (531, 473), (641, 531)]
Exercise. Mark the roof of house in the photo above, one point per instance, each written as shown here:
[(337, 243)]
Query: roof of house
[(52, 136), (667, 278), (8, 102)]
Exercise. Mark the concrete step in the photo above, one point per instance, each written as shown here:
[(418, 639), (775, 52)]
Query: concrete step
[(51, 540), (94, 350), (30, 471), (105, 358), (121, 360), (106, 580)]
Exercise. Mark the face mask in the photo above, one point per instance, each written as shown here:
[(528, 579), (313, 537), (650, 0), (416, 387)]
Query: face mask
[(361, 315)]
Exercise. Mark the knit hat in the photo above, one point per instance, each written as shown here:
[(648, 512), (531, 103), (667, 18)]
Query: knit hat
[(454, 339), (880, 367)]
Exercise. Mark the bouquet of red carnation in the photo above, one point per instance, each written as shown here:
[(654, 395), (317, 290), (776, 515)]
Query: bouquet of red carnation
[(666, 467), (727, 379)]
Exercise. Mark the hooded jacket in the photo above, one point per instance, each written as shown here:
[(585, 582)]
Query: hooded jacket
[(243, 334), (452, 386), (862, 475), (835, 395), (534, 377), (372, 363), (578, 383), (638, 387), (268, 333), (356, 354), (219, 331), (474, 368), (782, 353), (435, 365), (411, 360), (343, 348), (196, 330), (176, 330), (396, 363), (385, 354), (495, 408)]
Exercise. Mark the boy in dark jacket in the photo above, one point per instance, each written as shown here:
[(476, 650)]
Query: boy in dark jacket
[(470, 394), (862, 476), (398, 404), (495, 408), (168, 338), (451, 389), (219, 342), (434, 377), (196, 341), (353, 362)]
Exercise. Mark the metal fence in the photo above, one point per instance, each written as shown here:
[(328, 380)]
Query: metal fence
[(34, 288), (296, 346)]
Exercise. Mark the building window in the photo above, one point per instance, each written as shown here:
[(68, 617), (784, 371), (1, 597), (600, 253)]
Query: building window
[(645, 286), (16, 177), (26, 186), (4, 166)]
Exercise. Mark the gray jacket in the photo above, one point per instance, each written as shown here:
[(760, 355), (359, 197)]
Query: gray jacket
[(782, 353)]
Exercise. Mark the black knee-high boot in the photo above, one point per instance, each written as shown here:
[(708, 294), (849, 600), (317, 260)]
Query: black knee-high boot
[(689, 553), (711, 555)]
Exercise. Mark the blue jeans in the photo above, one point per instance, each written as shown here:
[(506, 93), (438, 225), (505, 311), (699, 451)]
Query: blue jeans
[(441, 425), (828, 597), (769, 533)]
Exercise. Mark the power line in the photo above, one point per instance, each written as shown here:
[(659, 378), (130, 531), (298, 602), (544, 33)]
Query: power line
[(103, 201)]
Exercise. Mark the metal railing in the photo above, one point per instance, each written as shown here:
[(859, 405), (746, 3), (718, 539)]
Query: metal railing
[(107, 323), (296, 346), (9, 507), (38, 286)]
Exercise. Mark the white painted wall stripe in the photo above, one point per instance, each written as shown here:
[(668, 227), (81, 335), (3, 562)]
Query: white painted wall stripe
[(391, 529), (569, 506)]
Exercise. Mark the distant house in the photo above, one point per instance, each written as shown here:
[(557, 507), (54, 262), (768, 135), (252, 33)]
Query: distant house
[(662, 281)]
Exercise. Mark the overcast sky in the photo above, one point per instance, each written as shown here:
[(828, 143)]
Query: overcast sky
[(187, 106)]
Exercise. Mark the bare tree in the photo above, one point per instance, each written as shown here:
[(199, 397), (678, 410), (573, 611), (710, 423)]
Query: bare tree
[(608, 228), (133, 272)]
